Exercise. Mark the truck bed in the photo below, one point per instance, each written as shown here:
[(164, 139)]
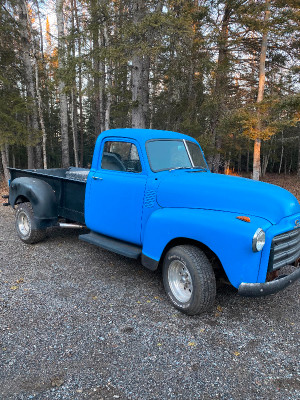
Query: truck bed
[(68, 185)]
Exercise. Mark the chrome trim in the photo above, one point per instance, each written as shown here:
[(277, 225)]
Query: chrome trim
[(285, 249), (264, 289), (180, 281), (189, 154), (254, 240), (71, 226)]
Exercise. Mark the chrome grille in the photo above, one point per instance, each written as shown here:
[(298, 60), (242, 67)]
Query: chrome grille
[(285, 249)]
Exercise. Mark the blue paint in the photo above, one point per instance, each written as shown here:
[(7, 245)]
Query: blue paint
[(153, 208), (226, 193)]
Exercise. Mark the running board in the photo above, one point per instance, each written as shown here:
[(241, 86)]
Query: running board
[(115, 245)]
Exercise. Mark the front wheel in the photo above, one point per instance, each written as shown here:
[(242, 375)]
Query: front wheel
[(189, 279), (25, 225)]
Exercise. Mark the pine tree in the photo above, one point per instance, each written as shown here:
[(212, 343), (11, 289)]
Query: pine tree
[(62, 85)]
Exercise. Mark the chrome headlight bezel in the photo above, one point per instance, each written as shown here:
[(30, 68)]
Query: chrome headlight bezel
[(259, 240)]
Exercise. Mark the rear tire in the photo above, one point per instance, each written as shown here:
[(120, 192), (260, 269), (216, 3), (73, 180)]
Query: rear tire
[(25, 225), (189, 279)]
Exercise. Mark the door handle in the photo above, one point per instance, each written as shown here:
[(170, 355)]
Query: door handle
[(97, 178)]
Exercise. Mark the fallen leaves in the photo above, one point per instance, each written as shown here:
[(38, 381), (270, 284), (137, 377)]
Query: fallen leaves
[(18, 282), (288, 182), (56, 382), (219, 311)]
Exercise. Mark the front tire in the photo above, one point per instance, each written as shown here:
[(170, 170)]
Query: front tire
[(25, 225), (189, 279)]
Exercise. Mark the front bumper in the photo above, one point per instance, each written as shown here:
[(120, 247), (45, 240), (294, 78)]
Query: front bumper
[(264, 289)]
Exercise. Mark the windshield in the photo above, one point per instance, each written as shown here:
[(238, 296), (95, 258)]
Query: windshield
[(174, 154)]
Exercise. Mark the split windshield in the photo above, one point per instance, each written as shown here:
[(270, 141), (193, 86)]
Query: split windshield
[(174, 154)]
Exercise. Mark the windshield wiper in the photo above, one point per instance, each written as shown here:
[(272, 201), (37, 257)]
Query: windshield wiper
[(174, 169), (195, 169), (199, 169)]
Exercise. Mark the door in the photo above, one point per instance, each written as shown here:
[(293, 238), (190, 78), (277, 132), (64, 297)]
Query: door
[(116, 192)]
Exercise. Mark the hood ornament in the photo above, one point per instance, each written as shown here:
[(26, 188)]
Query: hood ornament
[(297, 223)]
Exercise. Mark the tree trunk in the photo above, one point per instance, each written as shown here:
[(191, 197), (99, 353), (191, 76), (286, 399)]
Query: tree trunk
[(298, 167), (108, 101), (221, 87), (138, 116), (29, 78), (240, 161), (4, 163), (109, 81), (79, 85), (248, 158), (30, 153), (7, 153), (97, 70), (281, 155), (256, 160), (41, 116), (101, 94), (61, 85), (38, 91), (74, 94), (291, 163), (261, 88), (140, 74), (74, 125), (266, 158)]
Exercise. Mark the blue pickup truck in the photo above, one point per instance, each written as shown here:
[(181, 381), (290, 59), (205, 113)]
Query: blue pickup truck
[(150, 195)]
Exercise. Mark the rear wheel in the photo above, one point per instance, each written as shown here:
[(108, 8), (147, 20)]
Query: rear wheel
[(25, 225), (189, 279)]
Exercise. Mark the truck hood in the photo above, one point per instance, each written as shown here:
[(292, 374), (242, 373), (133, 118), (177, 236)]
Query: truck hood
[(187, 189)]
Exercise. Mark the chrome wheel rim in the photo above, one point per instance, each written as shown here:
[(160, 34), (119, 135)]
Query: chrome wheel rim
[(180, 281), (23, 223)]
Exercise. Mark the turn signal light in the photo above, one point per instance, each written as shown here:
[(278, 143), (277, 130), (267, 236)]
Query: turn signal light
[(245, 219)]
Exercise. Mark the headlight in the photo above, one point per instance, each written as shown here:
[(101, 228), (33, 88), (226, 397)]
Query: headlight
[(259, 240)]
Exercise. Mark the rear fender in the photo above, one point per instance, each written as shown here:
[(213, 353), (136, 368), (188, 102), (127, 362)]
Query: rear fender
[(41, 196), (229, 238)]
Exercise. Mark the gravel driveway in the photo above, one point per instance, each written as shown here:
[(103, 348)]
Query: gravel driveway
[(78, 322)]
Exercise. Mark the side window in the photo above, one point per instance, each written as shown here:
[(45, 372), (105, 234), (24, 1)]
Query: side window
[(121, 156)]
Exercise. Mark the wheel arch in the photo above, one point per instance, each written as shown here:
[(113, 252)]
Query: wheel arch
[(180, 241), (227, 237), (21, 199), (39, 194)]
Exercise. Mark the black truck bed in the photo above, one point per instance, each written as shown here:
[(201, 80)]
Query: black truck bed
[(68, 185)]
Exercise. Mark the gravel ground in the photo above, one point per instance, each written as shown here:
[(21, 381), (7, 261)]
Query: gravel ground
[(78, 322)]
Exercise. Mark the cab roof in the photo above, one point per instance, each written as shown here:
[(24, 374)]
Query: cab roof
[(143, 135)]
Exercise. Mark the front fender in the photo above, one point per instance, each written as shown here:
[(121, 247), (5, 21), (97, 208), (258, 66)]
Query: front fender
[(229, 238), (41, 196)]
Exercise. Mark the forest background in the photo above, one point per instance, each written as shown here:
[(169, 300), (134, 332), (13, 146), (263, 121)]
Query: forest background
[(224, 72)]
